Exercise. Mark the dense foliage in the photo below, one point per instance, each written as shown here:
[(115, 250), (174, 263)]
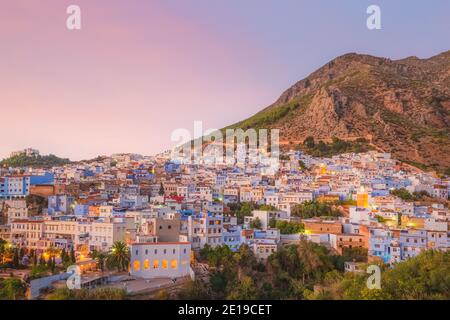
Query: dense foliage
[(91, 294), (424, 277), (38, 161), (239, 275), (311, 209), (311, 271), (12, 289), (337, 146), (405, 195), (287, 227)]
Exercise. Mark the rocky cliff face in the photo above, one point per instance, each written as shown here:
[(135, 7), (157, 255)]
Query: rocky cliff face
[(401, 106)]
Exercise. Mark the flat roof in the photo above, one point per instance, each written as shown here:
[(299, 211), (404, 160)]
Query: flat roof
[(158, 243)]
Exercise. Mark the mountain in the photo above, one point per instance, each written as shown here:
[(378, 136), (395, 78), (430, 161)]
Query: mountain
[(399, 106)]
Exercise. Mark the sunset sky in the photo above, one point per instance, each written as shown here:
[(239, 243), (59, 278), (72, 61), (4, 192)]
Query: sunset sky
[(139, 69)]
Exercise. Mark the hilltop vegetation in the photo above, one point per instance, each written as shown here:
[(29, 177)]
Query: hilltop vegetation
[(38, 161), (336, 147), (425, 277), (310, 271)]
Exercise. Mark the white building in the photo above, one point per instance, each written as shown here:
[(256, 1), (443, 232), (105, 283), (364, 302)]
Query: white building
[(160, 260)]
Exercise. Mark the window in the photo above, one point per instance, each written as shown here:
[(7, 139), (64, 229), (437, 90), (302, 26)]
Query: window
[(184, 251), (137, 265), (164, 264), (155, 264), (146, 264), (146, 251), (173, 251), (156, 251), (173, 264)]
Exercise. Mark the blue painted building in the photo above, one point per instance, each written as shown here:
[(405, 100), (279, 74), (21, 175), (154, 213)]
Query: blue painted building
[(60, 203)]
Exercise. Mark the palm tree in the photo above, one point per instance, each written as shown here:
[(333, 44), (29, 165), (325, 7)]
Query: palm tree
[(6, 251), (2, 249), (119, 257), (100, 257)]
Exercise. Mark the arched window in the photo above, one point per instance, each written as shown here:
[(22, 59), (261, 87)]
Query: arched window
[(146, 264), (137, 265), (173, 264), (155, 264), (164, 264)]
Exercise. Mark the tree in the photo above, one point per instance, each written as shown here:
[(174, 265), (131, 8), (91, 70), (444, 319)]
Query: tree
[(100, 258), (162, 294), (161, 190), (119, 257), (12, 289), (64, 256), (403, 194), (255, 223), (311, 209), (3, 249), (72, 256), (301, 165), (244, 290), (42, 261), (354, 254), (289, 227), (309, 142), (16, 260), (194, 290), (88, 294), (38, 271), (272, 223)]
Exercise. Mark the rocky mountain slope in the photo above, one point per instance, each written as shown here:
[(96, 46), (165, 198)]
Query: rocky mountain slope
[(400, 106)]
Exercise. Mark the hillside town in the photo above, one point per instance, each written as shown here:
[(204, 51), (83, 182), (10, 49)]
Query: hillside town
[(164, 214)]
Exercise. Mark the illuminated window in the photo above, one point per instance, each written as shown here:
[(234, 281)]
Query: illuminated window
[(155, 264), (137, 265), (146, 264), (164, 264), (173, 264)]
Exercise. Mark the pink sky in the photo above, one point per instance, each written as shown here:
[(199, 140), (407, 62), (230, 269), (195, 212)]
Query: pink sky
[(140, 69), (117, 85)]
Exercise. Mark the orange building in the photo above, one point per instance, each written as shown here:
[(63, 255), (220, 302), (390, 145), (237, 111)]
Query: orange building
[(362, 199), (412, 222), (94, 211), (46, 190), (341, 241), (328, 198), (317, 226)]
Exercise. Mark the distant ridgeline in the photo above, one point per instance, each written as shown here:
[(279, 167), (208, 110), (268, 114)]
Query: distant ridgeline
[(23, 160)]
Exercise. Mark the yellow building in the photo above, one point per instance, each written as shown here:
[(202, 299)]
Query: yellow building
[(362, 198), (323, 168)]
